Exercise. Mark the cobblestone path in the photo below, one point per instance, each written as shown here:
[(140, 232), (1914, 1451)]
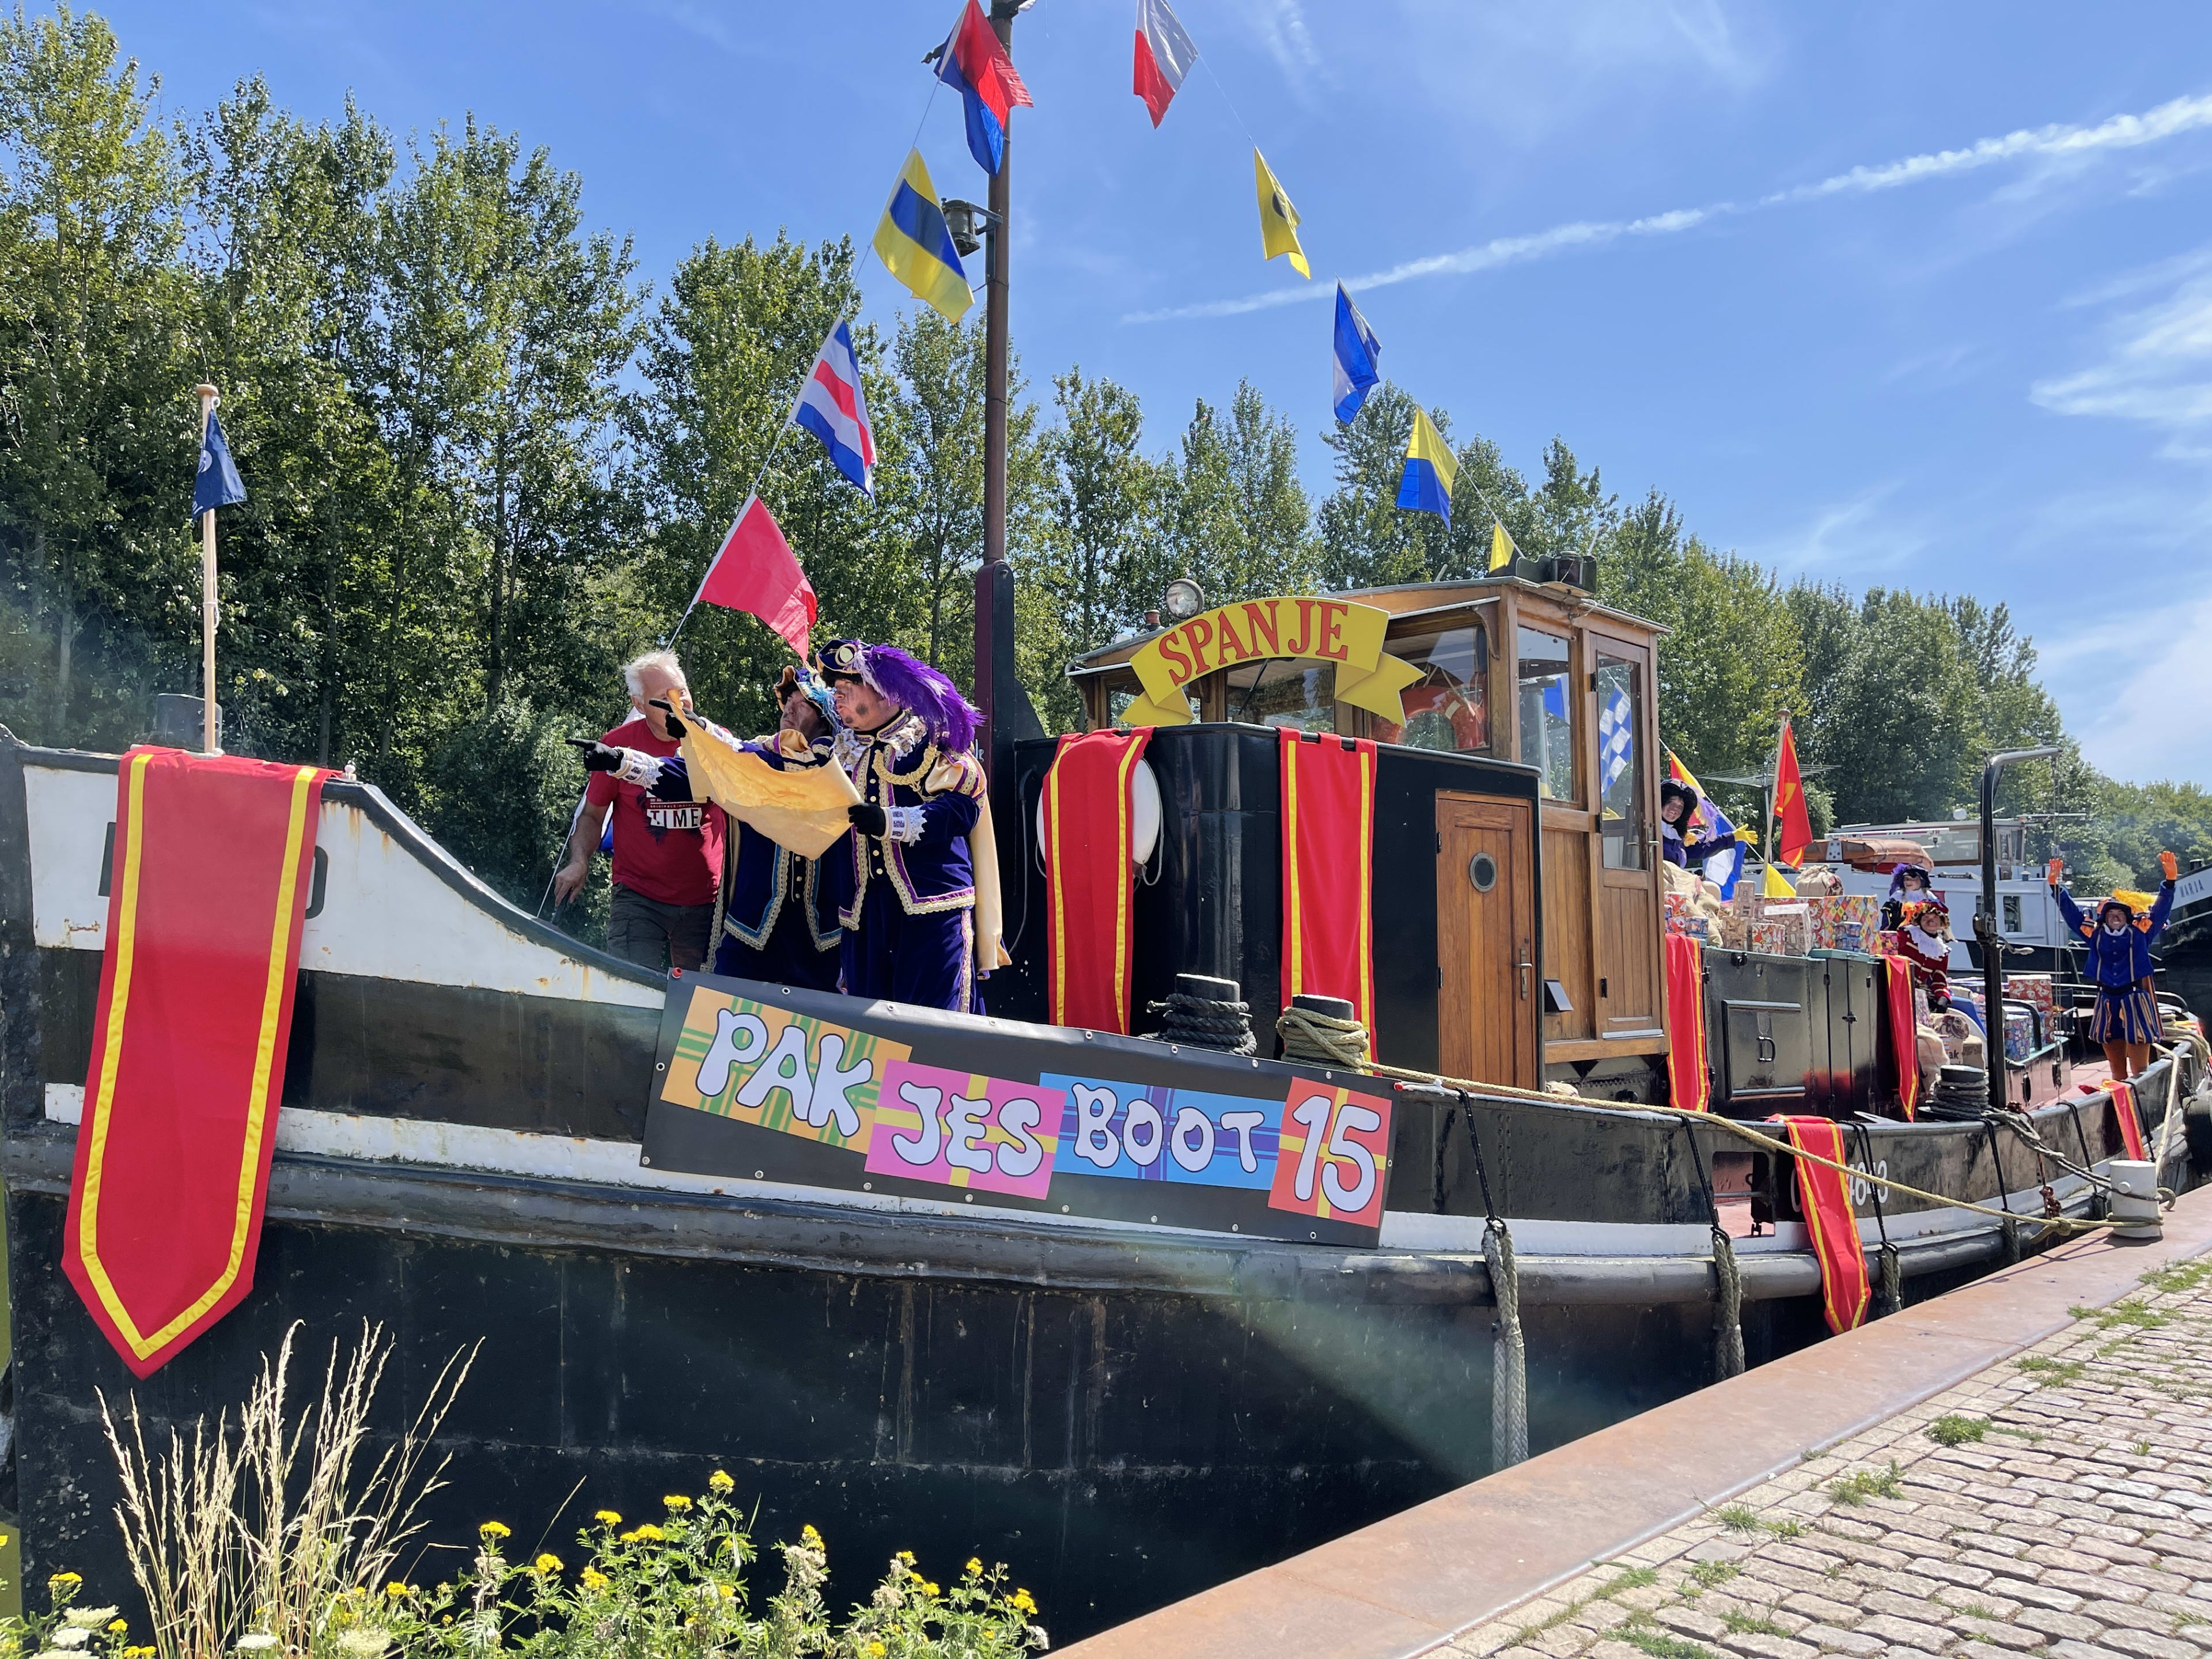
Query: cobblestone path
[(2060, 1504)]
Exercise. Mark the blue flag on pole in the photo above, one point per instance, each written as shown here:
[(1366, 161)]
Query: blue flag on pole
[(217, 484), (1357, 350)]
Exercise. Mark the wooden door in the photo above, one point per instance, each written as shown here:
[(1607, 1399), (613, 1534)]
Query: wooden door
[(1487, 991)]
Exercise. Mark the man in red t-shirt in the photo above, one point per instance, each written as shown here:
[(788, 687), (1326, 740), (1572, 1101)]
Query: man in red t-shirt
[(668, 855)]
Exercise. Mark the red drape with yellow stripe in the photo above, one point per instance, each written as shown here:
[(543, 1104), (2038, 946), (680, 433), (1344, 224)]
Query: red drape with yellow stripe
[(1088, 873), (1329, 855)]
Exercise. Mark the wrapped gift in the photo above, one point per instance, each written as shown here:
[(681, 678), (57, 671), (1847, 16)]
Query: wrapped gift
[(1861, 908), (1764, 938), (1696, 926), (2038, 990), (1882, 942), (1678, 905), (1849, 936)]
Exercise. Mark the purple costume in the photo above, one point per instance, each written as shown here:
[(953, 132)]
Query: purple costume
[(906, 898)]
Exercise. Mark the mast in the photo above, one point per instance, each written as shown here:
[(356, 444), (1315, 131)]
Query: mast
[(994, 586), (207, 397)]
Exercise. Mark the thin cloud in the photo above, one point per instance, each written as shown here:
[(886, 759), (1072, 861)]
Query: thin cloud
[(2158, 370), (2047, 144)]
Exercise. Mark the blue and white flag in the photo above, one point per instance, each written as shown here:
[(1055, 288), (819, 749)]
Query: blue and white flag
[(833, 407), (1724, 868), (217, 484), (1357, 350), (1616, 739)]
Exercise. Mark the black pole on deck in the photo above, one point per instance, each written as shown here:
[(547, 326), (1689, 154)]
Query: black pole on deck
[(993, 580), (1986, 928)]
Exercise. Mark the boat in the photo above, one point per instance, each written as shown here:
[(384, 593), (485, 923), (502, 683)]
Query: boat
[(1197, 1344)]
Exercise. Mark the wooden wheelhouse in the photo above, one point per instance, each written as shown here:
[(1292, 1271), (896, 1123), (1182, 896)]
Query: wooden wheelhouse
[(1523, 675)]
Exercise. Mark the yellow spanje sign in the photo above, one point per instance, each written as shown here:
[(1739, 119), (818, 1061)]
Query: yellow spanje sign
[(1317, 630)]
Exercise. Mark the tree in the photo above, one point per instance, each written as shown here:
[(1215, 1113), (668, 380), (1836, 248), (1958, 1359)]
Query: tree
[(97, 447), (1242, 524)]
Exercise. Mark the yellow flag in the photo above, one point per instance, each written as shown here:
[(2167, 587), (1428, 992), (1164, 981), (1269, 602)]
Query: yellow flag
[(1501, 547), (1771, 885), (1279, 220)]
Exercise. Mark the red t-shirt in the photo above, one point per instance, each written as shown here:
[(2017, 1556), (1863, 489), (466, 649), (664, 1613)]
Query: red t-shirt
[(664, 850)]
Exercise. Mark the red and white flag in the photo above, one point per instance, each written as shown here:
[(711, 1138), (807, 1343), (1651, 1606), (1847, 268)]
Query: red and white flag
[(1164, 55), (757, 571)]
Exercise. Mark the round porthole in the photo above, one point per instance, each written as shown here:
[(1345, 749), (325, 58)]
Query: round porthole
[(1482, 870)]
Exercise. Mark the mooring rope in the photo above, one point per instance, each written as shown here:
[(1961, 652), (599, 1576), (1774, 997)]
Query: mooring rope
[(1320, 1039), (1207, 1021), (1464, 1086), (1508, 1353), (1728, 1277)]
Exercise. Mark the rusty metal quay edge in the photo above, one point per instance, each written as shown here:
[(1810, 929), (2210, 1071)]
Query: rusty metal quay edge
[(1405, 1585)]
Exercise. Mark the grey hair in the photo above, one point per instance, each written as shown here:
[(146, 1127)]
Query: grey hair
[(633, 670)]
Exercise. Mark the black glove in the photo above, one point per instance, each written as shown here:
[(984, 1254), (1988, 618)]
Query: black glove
[(598, 756), (868, 820), (674, 720)]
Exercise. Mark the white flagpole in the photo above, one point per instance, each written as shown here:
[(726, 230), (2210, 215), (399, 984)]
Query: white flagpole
[(207, 395)]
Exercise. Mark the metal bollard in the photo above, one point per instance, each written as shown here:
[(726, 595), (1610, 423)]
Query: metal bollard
[(2134, 1200)]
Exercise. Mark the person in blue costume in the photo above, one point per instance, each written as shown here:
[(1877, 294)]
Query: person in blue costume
[(905, 875), (776, 920), (1678, 806), (2119, 965)]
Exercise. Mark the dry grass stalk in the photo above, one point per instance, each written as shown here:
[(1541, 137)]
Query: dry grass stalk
[(226, 1538)]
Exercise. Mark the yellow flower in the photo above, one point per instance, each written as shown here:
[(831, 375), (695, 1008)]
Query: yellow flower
[(809, 1537), (1022, 1601), (116, 1626), (717, 1480), (546, 1564), (595, 1580), (493, 1530), (71, 1580), (876, 1651), (974, 1566), (678, 1502), (650, 1534), (395, 1589), (930, 1588), (907, 1556), (607, 1518)]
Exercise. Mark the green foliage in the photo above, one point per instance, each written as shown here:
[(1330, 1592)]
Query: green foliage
[(1711, 1575), (1741, 1623), (1952, 1429), (1738, 1517), (1862, 1484), (1661, 1645)]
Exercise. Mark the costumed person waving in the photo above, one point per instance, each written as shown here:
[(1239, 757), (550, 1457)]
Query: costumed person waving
[(1678, 813), (2119, 965), (1908, 884), (916, 878)]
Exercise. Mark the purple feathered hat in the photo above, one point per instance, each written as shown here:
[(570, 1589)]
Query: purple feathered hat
[(911, 684)]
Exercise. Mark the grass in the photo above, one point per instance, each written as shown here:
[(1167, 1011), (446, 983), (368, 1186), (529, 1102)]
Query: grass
[(1836, 1571), (1741, 1623), (1785, 1528), (1738, 1517), (1633, 1578), (2052, 1372), (1952, 1429), (1660, 1645), (1628, 1579), (1860, 1484), (2142, 1449), (2181, 1276), (2034, 1436), (2134, 1311), (1976, 1610), (1709, 1574)]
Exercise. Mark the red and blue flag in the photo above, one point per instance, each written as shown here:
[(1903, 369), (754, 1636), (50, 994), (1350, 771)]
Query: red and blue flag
[(973, 61), (834, 408)]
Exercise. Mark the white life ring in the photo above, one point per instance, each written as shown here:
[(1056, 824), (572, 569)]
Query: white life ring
[(1143, 815)]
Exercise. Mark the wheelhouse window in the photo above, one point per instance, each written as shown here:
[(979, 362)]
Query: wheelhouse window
[(1546, 710), (1620, 762), (1282, 691), (1117, 704), (1448, 707)]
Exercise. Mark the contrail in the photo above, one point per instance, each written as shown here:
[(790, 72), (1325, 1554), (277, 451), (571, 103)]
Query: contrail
[(2168, 120)]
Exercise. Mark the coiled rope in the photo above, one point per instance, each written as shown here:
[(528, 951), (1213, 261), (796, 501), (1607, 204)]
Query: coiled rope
[(1324, 1039), (1206, 1013), (1508, 1350)]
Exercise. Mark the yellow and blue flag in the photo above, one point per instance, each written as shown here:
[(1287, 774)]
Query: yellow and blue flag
[(916, 247), (1426, 485)]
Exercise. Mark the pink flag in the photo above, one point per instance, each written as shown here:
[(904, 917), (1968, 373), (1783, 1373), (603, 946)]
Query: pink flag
[(757, 571)]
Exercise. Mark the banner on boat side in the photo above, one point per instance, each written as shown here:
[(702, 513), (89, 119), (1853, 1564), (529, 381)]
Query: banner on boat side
[(769, 1084), (1316, 629), (211, 867)]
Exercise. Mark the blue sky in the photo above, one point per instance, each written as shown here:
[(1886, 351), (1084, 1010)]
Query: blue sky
[(1899, 293)]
